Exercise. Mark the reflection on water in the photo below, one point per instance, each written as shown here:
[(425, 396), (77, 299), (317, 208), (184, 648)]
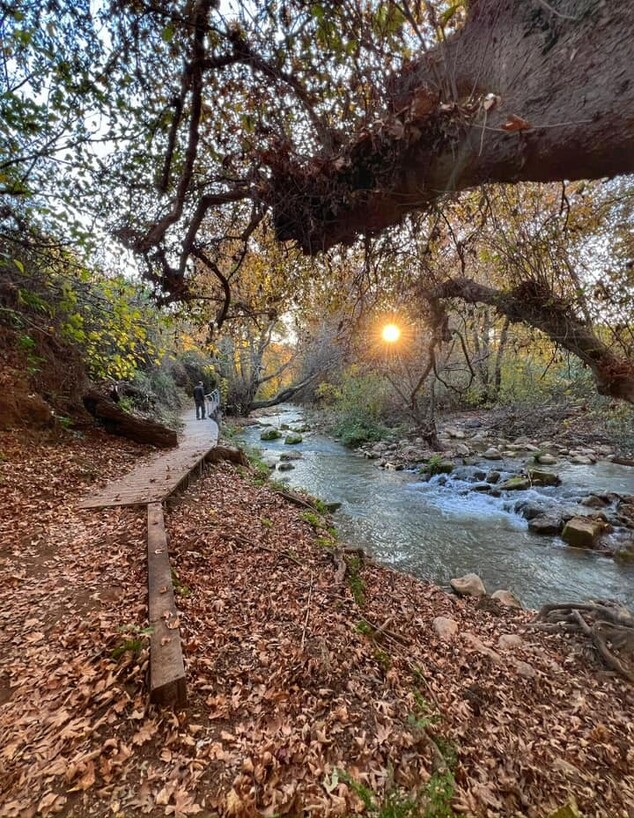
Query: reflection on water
[(437, 532)]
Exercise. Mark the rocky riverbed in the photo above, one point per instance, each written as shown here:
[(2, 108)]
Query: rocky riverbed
[(527, 473)]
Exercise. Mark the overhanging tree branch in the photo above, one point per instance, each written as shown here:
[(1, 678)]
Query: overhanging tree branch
[(542, 93), (532, 303)]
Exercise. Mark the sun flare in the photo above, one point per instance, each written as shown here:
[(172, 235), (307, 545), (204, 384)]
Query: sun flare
[(390, 333)]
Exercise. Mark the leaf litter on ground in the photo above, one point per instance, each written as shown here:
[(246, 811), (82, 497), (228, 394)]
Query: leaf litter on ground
[(299, 700)]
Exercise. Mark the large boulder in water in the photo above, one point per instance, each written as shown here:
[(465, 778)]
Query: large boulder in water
[(581, 532), (293, 438), (516, 483), (545, 524), (468, 585), (541, 477)]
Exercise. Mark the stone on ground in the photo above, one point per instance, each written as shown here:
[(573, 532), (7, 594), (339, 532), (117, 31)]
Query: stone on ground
[(444, 627), (507, 599), (468, 585)]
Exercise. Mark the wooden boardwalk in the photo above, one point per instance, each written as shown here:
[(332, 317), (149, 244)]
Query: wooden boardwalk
[(149, 484), (155, 480)]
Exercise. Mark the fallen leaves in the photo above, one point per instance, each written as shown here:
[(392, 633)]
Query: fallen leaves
[(272, 726), (515, 123)]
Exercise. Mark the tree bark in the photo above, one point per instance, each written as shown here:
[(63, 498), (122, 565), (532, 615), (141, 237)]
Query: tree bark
[(284, 395), (561, 107), (118, 422), (535, 305)]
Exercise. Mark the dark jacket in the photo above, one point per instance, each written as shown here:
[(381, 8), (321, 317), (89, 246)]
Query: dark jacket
[(199, 394)]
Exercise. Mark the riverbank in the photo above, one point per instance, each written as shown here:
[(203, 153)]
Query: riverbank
[(309, 692)]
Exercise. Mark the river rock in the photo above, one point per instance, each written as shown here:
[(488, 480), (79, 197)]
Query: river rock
[(493, 477), (332, 507), (468, 585), (414, 454), (462, 450), (458, 434), (293, 438), (517, 483), (394, 466), (581, 460), (528, 510), (492, 454), (270, 434), (291, 456), (581, 532), (545, 524), (546, 459), (482, 487), (541, 477), (595, 501), (507, 599), (510, 641), (444, 627), (472, 423), (285, 466)]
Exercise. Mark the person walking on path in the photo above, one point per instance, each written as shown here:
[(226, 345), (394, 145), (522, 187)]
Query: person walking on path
[(199, 399)]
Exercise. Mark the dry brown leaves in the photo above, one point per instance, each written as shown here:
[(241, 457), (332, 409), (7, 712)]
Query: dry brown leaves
[(283, 686)]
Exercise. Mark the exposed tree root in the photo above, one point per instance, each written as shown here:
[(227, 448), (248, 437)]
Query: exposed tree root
[(604, 623)]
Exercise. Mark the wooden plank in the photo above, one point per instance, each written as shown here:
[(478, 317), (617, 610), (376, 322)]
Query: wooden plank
[(167, 669), (154, 481)]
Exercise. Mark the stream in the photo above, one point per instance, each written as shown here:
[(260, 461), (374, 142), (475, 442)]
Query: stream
[(440, 529)]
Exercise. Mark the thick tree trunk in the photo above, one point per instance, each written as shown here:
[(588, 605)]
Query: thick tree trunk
[(561, 106), (536, 306), (284, 395), (118, 422)]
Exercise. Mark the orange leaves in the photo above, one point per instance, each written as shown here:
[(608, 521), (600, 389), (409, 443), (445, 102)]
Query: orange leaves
[(269, 725), (515, 123)]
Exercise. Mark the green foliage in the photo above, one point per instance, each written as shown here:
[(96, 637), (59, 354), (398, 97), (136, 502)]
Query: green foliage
[(364, 627), (431, 801), (424, 715), (133, 641), (360, 405), (383, 658), (355, 580), (437, 465), (313, 519), (354, 432), (179, 588), (261, 472)]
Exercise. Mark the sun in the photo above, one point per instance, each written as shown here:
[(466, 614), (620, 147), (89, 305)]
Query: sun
[(390, 333)]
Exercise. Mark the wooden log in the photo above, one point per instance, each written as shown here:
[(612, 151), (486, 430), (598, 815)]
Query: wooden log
[(118, 422), (229, 453), (167, 669)]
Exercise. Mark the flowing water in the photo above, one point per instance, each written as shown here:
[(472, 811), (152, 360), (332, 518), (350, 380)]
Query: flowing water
[(441, 529)]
